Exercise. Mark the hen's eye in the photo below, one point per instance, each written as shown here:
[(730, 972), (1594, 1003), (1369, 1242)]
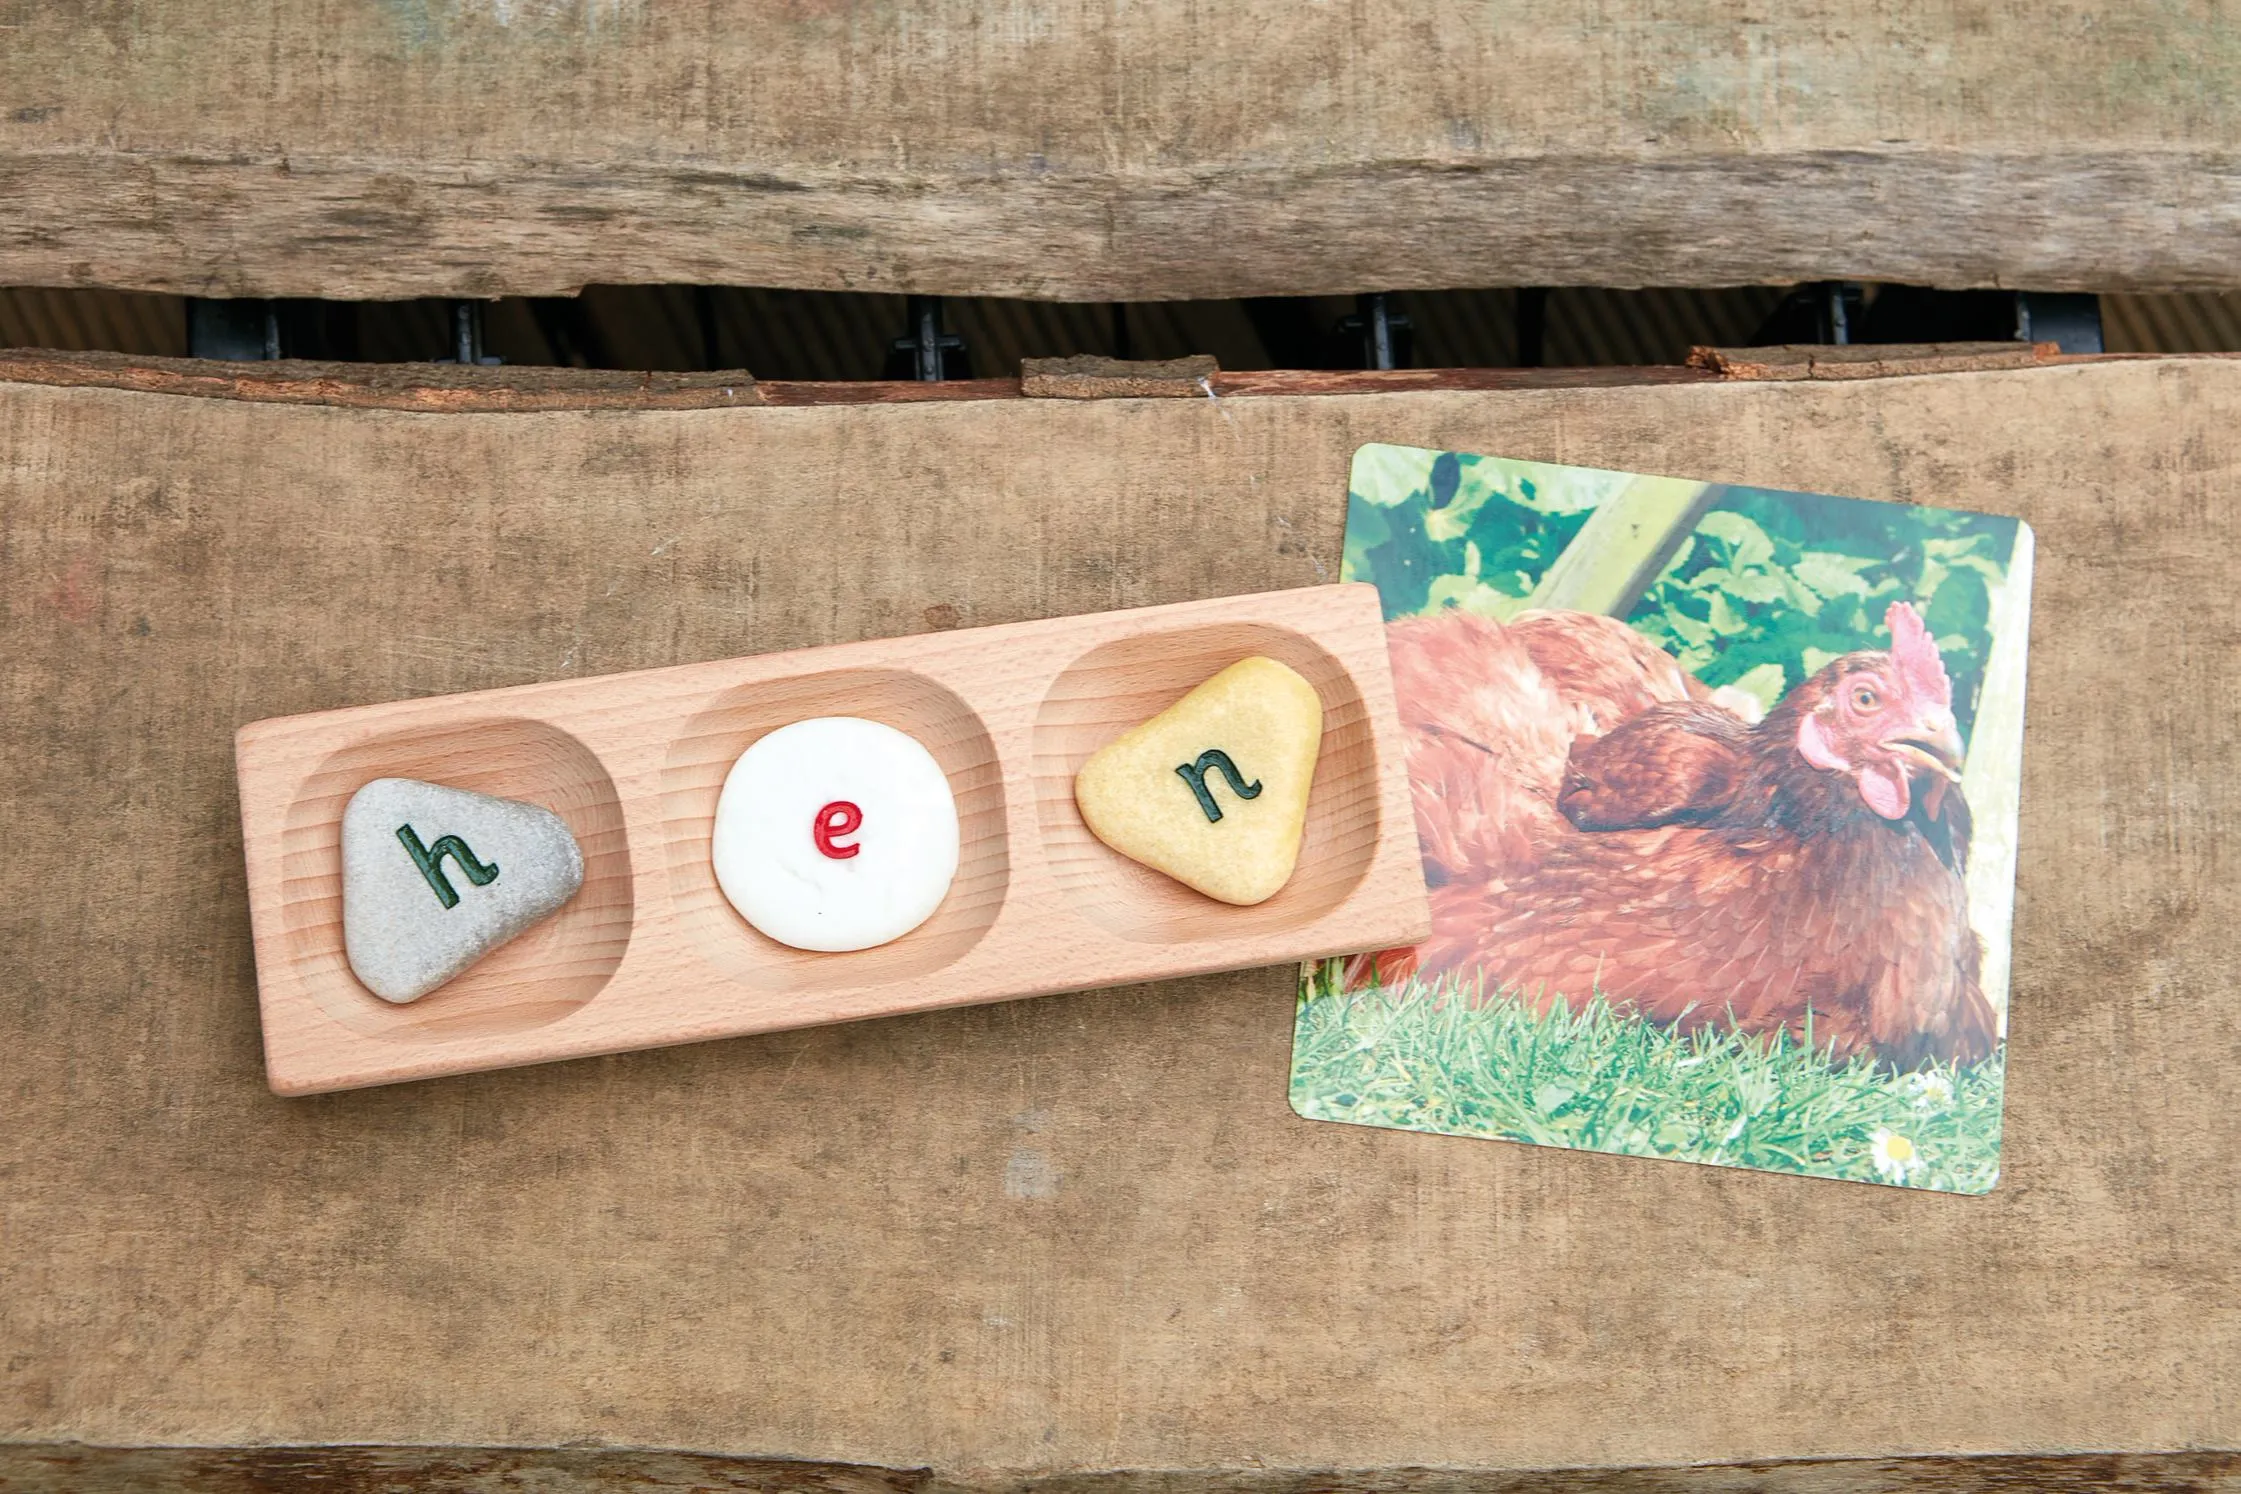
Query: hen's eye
[(1863, 698)]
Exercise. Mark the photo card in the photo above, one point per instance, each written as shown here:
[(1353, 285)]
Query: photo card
[(1716, 789)]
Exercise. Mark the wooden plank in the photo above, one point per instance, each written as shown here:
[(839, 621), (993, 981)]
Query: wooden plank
[(1088, 376), (649, 952), (432, 388), (1163, 150), (1870, 360), (1086, 1232), (505, 1470)]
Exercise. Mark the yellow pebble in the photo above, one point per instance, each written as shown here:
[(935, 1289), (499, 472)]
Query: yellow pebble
[(1213, 790)]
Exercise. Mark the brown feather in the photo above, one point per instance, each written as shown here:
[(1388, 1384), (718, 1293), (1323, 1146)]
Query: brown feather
[(1685, 866), (1676, 761)]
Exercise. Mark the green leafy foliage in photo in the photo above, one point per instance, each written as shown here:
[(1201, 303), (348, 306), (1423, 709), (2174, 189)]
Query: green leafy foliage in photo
[(1444, 1057), (1768, 588)]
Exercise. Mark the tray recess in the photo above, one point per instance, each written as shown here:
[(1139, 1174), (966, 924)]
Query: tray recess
[(693, 779), (649, 953), (1131, 679)]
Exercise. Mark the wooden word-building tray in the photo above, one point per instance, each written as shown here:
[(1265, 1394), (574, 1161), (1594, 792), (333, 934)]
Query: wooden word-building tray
[(649, 952)]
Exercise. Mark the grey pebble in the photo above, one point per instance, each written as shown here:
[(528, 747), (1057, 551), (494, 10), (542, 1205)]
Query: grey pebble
[(434, 878)]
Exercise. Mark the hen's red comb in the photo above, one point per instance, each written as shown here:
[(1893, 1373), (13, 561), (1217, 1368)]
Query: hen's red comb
[(1916, 654)]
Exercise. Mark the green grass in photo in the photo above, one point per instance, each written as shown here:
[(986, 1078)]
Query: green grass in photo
[(1440, 1057)]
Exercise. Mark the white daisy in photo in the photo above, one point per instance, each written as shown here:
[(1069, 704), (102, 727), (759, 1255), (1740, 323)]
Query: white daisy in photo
[(1896, 1160), (1928, 1089)]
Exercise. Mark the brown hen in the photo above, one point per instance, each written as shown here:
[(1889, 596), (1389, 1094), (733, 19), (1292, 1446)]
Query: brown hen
[(1592, 820)]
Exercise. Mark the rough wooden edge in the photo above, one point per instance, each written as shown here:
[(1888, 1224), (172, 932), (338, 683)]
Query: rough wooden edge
[(33, 1468), (1411, 380), (436, 388), (1870, 360), (885, 391), (1088, 376), (444, 389)]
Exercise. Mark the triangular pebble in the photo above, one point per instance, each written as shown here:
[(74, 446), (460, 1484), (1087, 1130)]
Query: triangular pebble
[(1213, 790), (434, 878)]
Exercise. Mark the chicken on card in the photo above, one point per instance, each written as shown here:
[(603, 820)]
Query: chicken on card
[(1591, 820), (1716, 793)]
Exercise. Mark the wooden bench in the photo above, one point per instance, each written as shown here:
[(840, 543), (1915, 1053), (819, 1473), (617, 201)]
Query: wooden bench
[(669, 1269), (1162, 150)]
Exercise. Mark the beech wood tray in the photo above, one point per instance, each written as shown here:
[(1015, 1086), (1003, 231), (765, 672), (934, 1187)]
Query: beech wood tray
[(650, 953)]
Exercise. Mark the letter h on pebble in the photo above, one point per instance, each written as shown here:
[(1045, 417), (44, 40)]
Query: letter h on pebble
[(430, 861)]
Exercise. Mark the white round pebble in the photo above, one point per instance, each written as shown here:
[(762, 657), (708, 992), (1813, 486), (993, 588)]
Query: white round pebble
[(836, 833)]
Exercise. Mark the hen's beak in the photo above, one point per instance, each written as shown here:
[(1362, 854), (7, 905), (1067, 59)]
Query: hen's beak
[(1933, 743)]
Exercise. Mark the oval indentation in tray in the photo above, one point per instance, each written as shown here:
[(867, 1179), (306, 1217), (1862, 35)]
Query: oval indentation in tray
[(693, 778), (1129, 680), (538, 978)]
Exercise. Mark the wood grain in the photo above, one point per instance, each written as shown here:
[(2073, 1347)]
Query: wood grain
[(505, 1470), (1032, 1241), (1871, 360), (435, 389), (430, 388), (1078, 152), (649, 952), (1090, 376)]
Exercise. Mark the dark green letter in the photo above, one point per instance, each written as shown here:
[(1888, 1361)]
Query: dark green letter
[(430, 861), (1194, 774)]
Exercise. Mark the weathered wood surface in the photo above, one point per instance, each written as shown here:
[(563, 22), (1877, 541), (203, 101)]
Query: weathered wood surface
[(1080, 151), (435, 388), (38, 1469), (1871, 360), (1081, 1233), (1088, 376), (430, 388)]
